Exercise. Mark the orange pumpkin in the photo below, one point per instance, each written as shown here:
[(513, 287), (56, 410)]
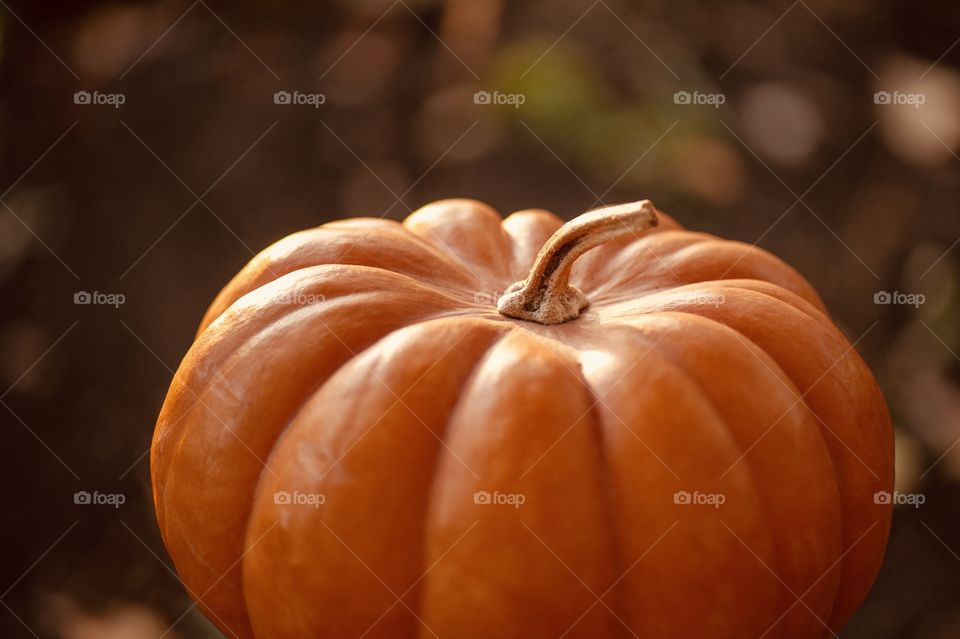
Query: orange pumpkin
[(462, 426)]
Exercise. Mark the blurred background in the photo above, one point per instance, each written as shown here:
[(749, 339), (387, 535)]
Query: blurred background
[(148, 149)]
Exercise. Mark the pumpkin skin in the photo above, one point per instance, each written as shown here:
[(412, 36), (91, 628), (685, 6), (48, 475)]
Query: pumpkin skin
[(365, 361)]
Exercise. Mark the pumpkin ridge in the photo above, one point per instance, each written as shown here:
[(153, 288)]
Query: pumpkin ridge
[(441, 446), (348, 270), (465, 265), (748, 287), (309, 396), (686, 385), (662, 272), (520, 226), (836, 430), (506, 449), (285, 314), (635, 295), (619, 603), (792, 303), (466, 326), (272, 263), (792, 276), (751, 472), (773, 533), (402, 231), (783, 295), (292, 309), (569, 349), (474, 220), (607, 276)]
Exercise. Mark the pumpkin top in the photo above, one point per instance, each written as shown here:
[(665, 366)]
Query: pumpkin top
[(546, 295)]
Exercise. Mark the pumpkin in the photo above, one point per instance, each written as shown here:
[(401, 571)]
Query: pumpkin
[(467, 426)]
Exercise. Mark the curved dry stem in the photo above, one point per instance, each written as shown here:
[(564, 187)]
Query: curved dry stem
[(546, 295)]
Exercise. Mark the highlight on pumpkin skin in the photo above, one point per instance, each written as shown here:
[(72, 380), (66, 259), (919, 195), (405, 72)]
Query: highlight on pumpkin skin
[(546, 295)]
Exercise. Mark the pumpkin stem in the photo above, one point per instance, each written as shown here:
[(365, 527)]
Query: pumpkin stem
[(546, 296)]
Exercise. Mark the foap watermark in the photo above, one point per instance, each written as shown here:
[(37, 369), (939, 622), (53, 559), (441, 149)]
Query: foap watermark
[(487, 298), (515, 100), (696, 498), (99, 99), (96, 498), (299, 98), (709, 299), (897, 498), (301, 299), (496, 498), (698, 98), (296, 498), (899, 299), (84, 298), (899, 98)]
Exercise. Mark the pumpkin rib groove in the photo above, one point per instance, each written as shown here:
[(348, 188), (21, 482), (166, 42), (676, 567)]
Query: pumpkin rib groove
[(697, 391), (441, 443), (830, 429), (350, 299), (707, 397), (666, 360), (629, 304), (592, 399), (264, 465), (370, 374), (441, 447), (461, 262), (799, 285), (608, 499), (474, 227), (305, 277), (711, 253), (441, 253), (258, 335), (436, 251), (502, 558), (771, 533), (529, 230), (800, 400), (747, 447), (348, 270), (309, 396), (288, 314), (791, 299), (607, 270), (278, 260)]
